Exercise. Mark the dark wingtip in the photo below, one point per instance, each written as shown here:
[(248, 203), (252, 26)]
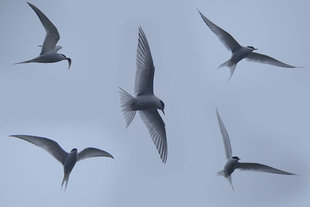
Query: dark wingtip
[(30, 4), (288, 173), (164, 159)]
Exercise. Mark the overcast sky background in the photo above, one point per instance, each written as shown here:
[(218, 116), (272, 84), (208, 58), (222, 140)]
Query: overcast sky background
[(264, 108)]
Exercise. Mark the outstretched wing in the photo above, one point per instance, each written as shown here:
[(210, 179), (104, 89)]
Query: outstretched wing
[(257, 57), (229, 42), (47, 144), (145, 67), (92, 152), (156, 127), (226, 141), (52, 35), (261, 167)]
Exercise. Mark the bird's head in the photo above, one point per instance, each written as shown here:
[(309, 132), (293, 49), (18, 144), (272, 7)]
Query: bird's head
[(68, 59), (236, 158), (252, 48), (74, 150), (162, 106)]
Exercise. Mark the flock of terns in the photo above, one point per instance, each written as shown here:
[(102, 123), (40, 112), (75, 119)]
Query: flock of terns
[(145, 101)]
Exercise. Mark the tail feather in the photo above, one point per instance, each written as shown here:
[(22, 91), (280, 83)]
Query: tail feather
[(230, 182), (65, 180), (225, 64), (220, 173), (126, 104), (27, 61), (231, 65)]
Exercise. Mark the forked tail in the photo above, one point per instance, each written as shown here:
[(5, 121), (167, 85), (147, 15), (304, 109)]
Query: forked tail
[(230, 182), (126, 103), (65, 180), (231, 65), (221, 173)]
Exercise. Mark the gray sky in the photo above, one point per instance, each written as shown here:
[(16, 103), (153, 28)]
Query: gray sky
[(264, 108)]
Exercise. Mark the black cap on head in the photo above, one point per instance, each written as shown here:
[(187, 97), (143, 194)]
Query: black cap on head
[(235, 157)]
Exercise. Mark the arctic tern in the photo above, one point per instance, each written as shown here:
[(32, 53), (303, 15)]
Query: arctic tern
[(145, 101), (49, 48), (240, 52), (233, 161), (68, 160)]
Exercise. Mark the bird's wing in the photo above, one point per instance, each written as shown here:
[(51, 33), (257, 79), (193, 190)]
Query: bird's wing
[(260, 167), (257, 57), (227, 145), (52, 35), (156, 127), (229, 42), (92, 152), (145, 67), (47, 144)]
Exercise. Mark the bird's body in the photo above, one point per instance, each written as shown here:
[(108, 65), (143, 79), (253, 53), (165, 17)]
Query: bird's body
[(68, 165), (230, 166), (240, 52), (68, 160), (46, 58), (49, 48), (145, 101), (233, 163)]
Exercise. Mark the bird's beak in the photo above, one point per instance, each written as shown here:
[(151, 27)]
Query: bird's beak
[(69, 62), (163, 111), (255, 49)]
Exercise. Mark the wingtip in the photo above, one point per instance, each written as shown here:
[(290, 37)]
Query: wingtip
[(110, 156), (217, 113), (164, 157), (141, 32), (30, 4), (199, 11)]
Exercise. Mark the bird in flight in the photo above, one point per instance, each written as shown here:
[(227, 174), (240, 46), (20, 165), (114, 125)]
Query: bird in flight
[(68, 160), (233, 161), (240, 52), (49, 48), (145, 101)]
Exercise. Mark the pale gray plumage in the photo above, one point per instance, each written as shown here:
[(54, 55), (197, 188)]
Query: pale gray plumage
[(233, 162), (257, 57), (226, 140), (239, 52), (260, 167), (68, 160), (145, 67), (156, 127), (49, 48), (229, 42), (145, 101), (90, 152), (52, 34)]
